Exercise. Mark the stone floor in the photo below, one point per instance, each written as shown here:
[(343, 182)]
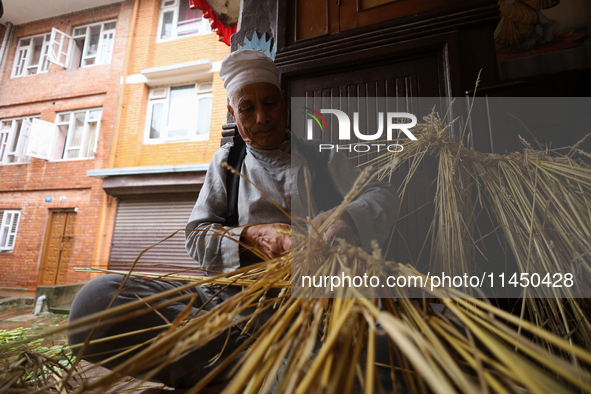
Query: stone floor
[(22, 316), (16, 312)]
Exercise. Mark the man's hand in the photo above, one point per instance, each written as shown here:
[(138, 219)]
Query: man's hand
[(268, 238), (341, 228)]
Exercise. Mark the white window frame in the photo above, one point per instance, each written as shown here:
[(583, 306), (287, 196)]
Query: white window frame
[(9, 226), (174, 6), (60, 45), (8, 146), (22, 63), (84, 140), (203, 89), (101, 49), (43, 139)]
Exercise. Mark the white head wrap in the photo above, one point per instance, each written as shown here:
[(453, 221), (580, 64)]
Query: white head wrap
[(246, 66)]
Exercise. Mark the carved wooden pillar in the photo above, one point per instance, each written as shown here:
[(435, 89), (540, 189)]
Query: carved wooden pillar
[(257, 29)]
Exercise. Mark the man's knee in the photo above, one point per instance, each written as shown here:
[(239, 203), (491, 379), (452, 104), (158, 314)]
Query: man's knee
[(94, 296), (106, 292), (97, 295)]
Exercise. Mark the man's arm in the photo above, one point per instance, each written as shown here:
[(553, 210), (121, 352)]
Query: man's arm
[(207, 239), (372, 214), (216, 246), (344, 227)]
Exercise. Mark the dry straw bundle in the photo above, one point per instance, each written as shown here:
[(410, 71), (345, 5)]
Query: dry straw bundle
[(446, 342), (540, 200)]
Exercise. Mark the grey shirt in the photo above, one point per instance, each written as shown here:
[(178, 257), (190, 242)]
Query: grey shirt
[(276, 172)]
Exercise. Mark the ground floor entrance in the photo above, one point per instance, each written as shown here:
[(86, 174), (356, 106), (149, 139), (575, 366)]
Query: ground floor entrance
[(57, 248)]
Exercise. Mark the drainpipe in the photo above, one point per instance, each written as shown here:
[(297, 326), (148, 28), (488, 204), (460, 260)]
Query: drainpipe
[(39, 305), (115, 137), (5, 42)]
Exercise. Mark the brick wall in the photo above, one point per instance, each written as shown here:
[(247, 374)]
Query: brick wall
[(25, 186), (133, 152), (60, 82), (20, 268)]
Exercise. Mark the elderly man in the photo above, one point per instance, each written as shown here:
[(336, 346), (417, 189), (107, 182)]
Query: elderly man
[(277, 163)]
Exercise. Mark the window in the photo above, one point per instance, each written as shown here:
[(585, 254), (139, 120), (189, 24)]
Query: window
[(59, 48), (179, 113), (178, 20), (88, 45), (8, 227), (73, 136), (93, 44), (31, 56), (77, 134), (14, 140)]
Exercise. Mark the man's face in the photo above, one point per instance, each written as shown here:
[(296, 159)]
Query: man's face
[(259, 112)]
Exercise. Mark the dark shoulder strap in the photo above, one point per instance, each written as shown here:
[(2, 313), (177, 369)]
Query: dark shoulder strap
[(325, 194), (235, 160)]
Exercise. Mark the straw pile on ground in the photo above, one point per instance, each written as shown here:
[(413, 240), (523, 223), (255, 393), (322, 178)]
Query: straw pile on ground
[(540, 202)]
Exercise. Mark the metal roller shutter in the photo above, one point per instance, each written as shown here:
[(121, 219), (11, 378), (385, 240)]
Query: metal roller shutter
[(140, 224)]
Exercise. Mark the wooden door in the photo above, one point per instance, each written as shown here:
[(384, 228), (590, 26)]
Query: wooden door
[(57, 248), (410, 81)]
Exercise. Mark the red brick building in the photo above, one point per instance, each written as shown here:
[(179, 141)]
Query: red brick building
[(56, 123), (98, 95), (174, 107)]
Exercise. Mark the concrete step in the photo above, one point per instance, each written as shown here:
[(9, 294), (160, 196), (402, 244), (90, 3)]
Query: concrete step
[(58, 299), (63, 308), (16, 302)]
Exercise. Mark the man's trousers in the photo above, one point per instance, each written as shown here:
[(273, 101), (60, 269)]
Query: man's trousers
[(96, 296)]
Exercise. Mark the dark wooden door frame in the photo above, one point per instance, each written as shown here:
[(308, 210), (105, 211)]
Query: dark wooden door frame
[(441, 20), (444, 45)]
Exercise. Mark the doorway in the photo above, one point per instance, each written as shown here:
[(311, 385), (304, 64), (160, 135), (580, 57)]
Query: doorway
[(57, 248)]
